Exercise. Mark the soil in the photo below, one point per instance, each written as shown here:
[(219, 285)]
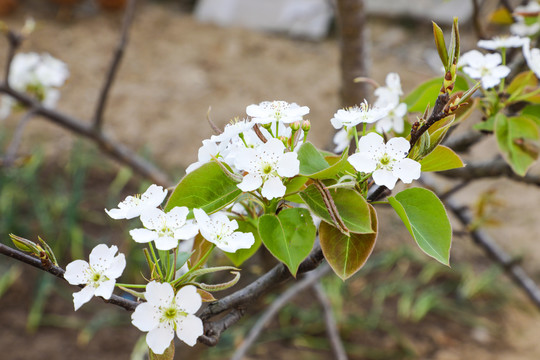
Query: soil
[(174, 69)]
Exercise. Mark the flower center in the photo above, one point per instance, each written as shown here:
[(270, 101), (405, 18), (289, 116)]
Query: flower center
[(171, 313), (96, 277), (267, 169)]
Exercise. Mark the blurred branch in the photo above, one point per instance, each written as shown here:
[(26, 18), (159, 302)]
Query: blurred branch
[(489, 169), (14, 41), (115, 63), (57, 271), (274, 308), (477, 23), (11, 152), (106, 144), (330, 322), (463, 142), (490, 247)]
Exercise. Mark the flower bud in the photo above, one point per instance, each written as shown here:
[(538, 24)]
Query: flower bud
[(267, 126), (306, 125), (295, 126)]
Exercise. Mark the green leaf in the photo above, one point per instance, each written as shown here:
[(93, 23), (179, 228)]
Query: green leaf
[(294, 185), (347, 254), (487, 125), (242, 255), (440, 159), (314, 165), (289, 236), (427, 93), (351, 206), (533, 112), (523, 80), (207, 188), (425, 217), (517, 137), (441, 45)]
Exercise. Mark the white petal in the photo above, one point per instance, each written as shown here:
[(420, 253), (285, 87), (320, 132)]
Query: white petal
[(116, 213), (105, 289), (245, 159), (288, 165), (117, 267), (177, 217), (238, 240), (82, 297), (250, 182), (407, 170), (384, 177), (143, 235), (373, 144), (201, 217), (272, 146), (102, 257), (188, 299), (397, 148), (152, 218), (363, 163), (77, 272), (273, 188), (154, 196), (492, 60), (186, 232), (159, 294), (145, 317), (189, 328), (166, 243), (159, 339)]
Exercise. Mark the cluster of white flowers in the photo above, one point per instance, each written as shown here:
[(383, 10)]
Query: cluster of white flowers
[(388, 98), (38, 75), (487, 68), (521, 27)]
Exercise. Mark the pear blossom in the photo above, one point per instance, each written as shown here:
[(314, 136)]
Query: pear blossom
[(390, 93), (488, 68), (134, 206), (388, 162), (165, 313), (394, 120), (165, 229), (355, 115), (532, 56), (37, 75), (342, 139), (219, 230), (502, 42), (521, 28), (280, 111), (265, 165), (99, 274)]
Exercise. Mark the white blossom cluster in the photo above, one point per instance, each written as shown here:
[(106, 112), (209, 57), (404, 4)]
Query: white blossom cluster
[(39, 75)]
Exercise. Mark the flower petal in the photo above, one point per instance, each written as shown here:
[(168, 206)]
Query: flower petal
[(159, 339), (407, 170), (105, 289), (288, 165), (143, 235), (188, 329), (373, 144), (159, 294), (152, 218), (166, 242), (273, 188), (384, 177), (239, 240), (187, 231), (362, 162), (101, 257), (145, 317), (177, 216), (250, 182), (154, 196), (397, 148), (117, 267), (77, 272), (82, 297), (188, 299)]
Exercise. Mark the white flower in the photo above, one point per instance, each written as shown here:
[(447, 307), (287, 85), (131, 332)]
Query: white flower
[(271, 111), (388, 161), (134, 206), (219, 230), (353, 116), (532, 56), (342, 139), (488, 68), (99, 275), (165, 313), (206, 152), (233, 129), (394, 120), (532, 8), (265, 165), (521, 28), (389, 94), (165, 229), (502, 42)]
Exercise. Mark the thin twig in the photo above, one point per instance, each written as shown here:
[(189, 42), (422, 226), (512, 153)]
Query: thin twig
[(437, 114), (330, 322), (109, 146), (59, 272), (489, 169), (281, 301), (11, 151), (14, 41), (477, 23), (115, 63)]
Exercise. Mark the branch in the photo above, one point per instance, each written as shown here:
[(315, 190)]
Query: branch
[(331, 326), (281, 301), (115, 63), (106, 144), (463, 142), (59, 272), (490, 247), (489, 169), (437, 114), (11, 151), (14, 41), (477, 24)]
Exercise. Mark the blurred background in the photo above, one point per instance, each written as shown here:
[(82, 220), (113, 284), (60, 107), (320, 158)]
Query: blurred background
[(185, 56)]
